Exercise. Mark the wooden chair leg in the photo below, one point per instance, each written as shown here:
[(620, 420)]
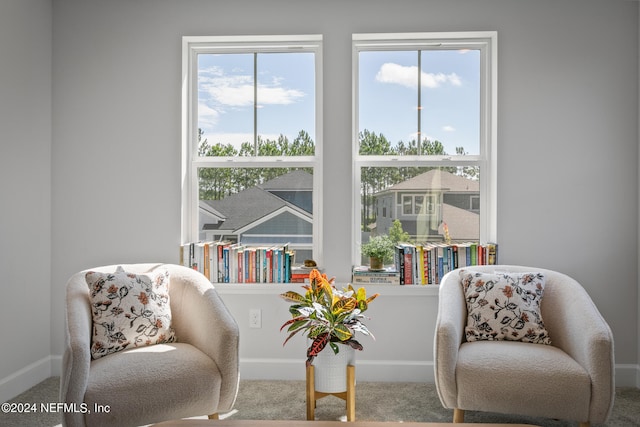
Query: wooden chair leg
[(213, 416), (458, 415)]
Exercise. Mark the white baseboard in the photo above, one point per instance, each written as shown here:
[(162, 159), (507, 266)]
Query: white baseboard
[(29, 376), (627, 375)]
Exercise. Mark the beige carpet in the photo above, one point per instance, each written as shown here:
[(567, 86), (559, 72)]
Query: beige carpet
[(375, 401)]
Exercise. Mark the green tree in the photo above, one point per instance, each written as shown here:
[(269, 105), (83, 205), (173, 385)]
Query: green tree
[(470, 172), (397, 234), (216, 183), (372, 179)]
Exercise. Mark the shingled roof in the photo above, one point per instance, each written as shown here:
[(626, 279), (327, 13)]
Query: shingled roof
[(298, 180), (463, 225), (252, 204)]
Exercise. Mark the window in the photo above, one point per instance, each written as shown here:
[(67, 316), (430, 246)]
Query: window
[(425, 135), (252, 141)]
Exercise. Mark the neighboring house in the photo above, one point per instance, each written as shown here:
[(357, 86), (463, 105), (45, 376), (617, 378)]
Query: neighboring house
[(276, 212), (425, 202)]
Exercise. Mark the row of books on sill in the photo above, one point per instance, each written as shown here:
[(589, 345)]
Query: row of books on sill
[(427, 264), (227, 262)]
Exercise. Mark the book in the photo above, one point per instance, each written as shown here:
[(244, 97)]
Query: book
[(391, 280), (363, 275)]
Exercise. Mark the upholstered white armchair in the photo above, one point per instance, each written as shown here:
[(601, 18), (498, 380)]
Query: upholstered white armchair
[(571, 379), (133, 384)]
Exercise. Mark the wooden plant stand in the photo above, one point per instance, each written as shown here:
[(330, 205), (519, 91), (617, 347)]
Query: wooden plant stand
[(349, 396)]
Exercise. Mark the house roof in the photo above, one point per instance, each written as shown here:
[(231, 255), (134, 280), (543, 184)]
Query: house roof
[(252, 204), (296, 180), (437, 179), (463, 224)]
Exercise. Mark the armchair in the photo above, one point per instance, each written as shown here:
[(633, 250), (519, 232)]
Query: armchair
[(196, 375), (572, 379)]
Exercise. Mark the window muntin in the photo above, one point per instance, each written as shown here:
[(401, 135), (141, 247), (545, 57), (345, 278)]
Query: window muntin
[(458, 80), (251, 114)]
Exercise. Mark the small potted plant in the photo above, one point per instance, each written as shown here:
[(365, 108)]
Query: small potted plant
[(326, 315), (379, 249)]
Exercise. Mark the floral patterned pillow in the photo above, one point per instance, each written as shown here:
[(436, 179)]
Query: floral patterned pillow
[(504, 306), (129, 310)]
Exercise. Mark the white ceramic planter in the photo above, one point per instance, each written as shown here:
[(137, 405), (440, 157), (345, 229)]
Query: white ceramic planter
[(331, 369)]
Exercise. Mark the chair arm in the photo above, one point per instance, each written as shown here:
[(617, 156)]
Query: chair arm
[(76, 359), (201, 319), (449, 335), (576, 326)]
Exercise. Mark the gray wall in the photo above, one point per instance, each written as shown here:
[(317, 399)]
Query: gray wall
[(25, 191), (567, 159)]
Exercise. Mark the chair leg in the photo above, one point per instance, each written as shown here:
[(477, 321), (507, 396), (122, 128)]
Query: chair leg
[(214, 416), (458, 415)]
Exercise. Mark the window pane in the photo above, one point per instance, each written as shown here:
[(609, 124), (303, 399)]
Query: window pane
[(388, 100), (239, 116), (407, 208), (225, 101), (257, 207), (443, 196), (450, 98), (286, 100)]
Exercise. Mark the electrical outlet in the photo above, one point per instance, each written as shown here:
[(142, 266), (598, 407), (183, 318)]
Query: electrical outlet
[(255, 318)]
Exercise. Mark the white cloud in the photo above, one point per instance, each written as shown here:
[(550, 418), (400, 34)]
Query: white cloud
[(278, 95), (448, 128), (234, 91), (397, 74), (207, 116), (407, 76), (435, 80), (237, 91)]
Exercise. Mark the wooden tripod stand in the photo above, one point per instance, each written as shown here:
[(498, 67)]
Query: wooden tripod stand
[(349, 396)]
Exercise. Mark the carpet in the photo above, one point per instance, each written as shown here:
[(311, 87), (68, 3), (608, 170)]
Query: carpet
[(375, 401)]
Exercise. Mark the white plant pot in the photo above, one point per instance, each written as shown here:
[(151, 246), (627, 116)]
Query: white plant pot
[(331, 369)]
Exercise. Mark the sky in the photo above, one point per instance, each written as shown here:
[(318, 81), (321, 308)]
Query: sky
[(388, 91)]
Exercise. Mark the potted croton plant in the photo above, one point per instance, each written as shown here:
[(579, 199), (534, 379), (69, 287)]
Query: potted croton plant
[(326, 315)]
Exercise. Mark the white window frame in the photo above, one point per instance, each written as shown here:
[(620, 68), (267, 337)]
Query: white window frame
[(487, 43), (191, 47)]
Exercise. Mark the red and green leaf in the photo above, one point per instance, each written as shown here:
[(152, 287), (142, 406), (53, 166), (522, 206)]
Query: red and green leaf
[(290, 321), (317, 346)]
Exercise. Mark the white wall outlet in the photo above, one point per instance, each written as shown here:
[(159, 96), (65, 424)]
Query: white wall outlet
[(255, 318)]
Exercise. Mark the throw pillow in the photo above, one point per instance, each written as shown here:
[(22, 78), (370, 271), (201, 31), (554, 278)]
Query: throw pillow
[(504, 306), (129, 310)]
